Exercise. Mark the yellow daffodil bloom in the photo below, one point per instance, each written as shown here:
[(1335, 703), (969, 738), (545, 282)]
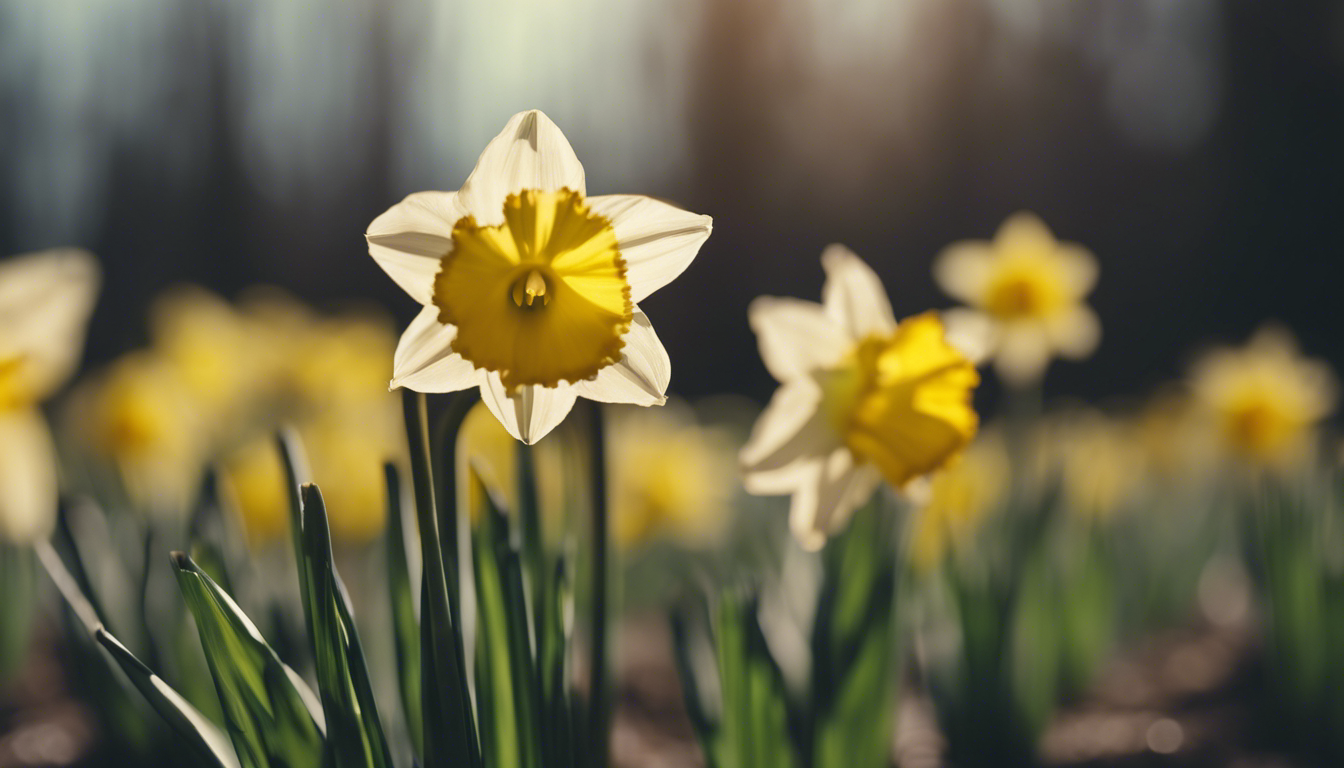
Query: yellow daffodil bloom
[(1177, 451), (45, 302), (1025, 295), (960, 496), (530, 288), (671, 478), (862, 398), (218, 382), (345, 454), (141, 417), (254, 479), (218, 356), (1100, 461), (1264, 399)]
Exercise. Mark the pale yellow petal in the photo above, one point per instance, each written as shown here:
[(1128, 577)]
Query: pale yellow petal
[(530, 414), (853, 294), (658, 241), (795, 336), (963, 270), (410, 239), (46, 299), (791, 428), (530, 153), (642, 374), (28, 488), (1075, 332), (1023, 354), (425, 360)]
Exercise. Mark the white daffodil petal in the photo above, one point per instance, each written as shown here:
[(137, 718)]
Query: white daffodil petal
[(425, 360), (803, 508), (658, 241), (853, 294), (795, 336), (831, 489), (1077, 268), (642, 374), (1075, 332), (843, 487), (1024, 231), (530, 153), (780, 481), (28, 477), (963, 270), (791, 427), (410, 239), (533, 412), (971, 331), (1022, 355), (46, 299)]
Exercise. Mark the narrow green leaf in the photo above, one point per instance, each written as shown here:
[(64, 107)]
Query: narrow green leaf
[(356, 737), (854, 657), (553, 653), (196, 729), (755, 728), (449, 723), (272, 715), (707, 729), (18, 597), (296, 471), (405, 622), (504, 638), (209, 744)]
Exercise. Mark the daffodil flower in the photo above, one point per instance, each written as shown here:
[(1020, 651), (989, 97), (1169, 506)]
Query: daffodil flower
[(530, 288), (45, 302), (1025, 294), (861, 398), (1265, 399)]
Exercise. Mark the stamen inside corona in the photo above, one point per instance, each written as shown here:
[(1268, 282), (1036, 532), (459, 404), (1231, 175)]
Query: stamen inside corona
[(526, 290)]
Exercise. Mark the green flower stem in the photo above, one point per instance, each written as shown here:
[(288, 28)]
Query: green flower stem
[(598, 714)]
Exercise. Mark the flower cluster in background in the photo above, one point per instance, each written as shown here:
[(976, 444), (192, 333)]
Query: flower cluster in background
[(216, 383)]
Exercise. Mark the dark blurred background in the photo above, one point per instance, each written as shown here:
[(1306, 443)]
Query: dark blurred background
[(1197, 147)]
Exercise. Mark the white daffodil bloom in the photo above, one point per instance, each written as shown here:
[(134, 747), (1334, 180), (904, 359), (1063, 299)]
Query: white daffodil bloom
[(1025, 294), (530, 288), (45, 302), (861, 398)]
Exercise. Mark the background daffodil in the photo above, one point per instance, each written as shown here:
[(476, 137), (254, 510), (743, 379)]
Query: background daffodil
[(861, 398), (1025, 295), (1263, 401), (530, 288), (45, 302)]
